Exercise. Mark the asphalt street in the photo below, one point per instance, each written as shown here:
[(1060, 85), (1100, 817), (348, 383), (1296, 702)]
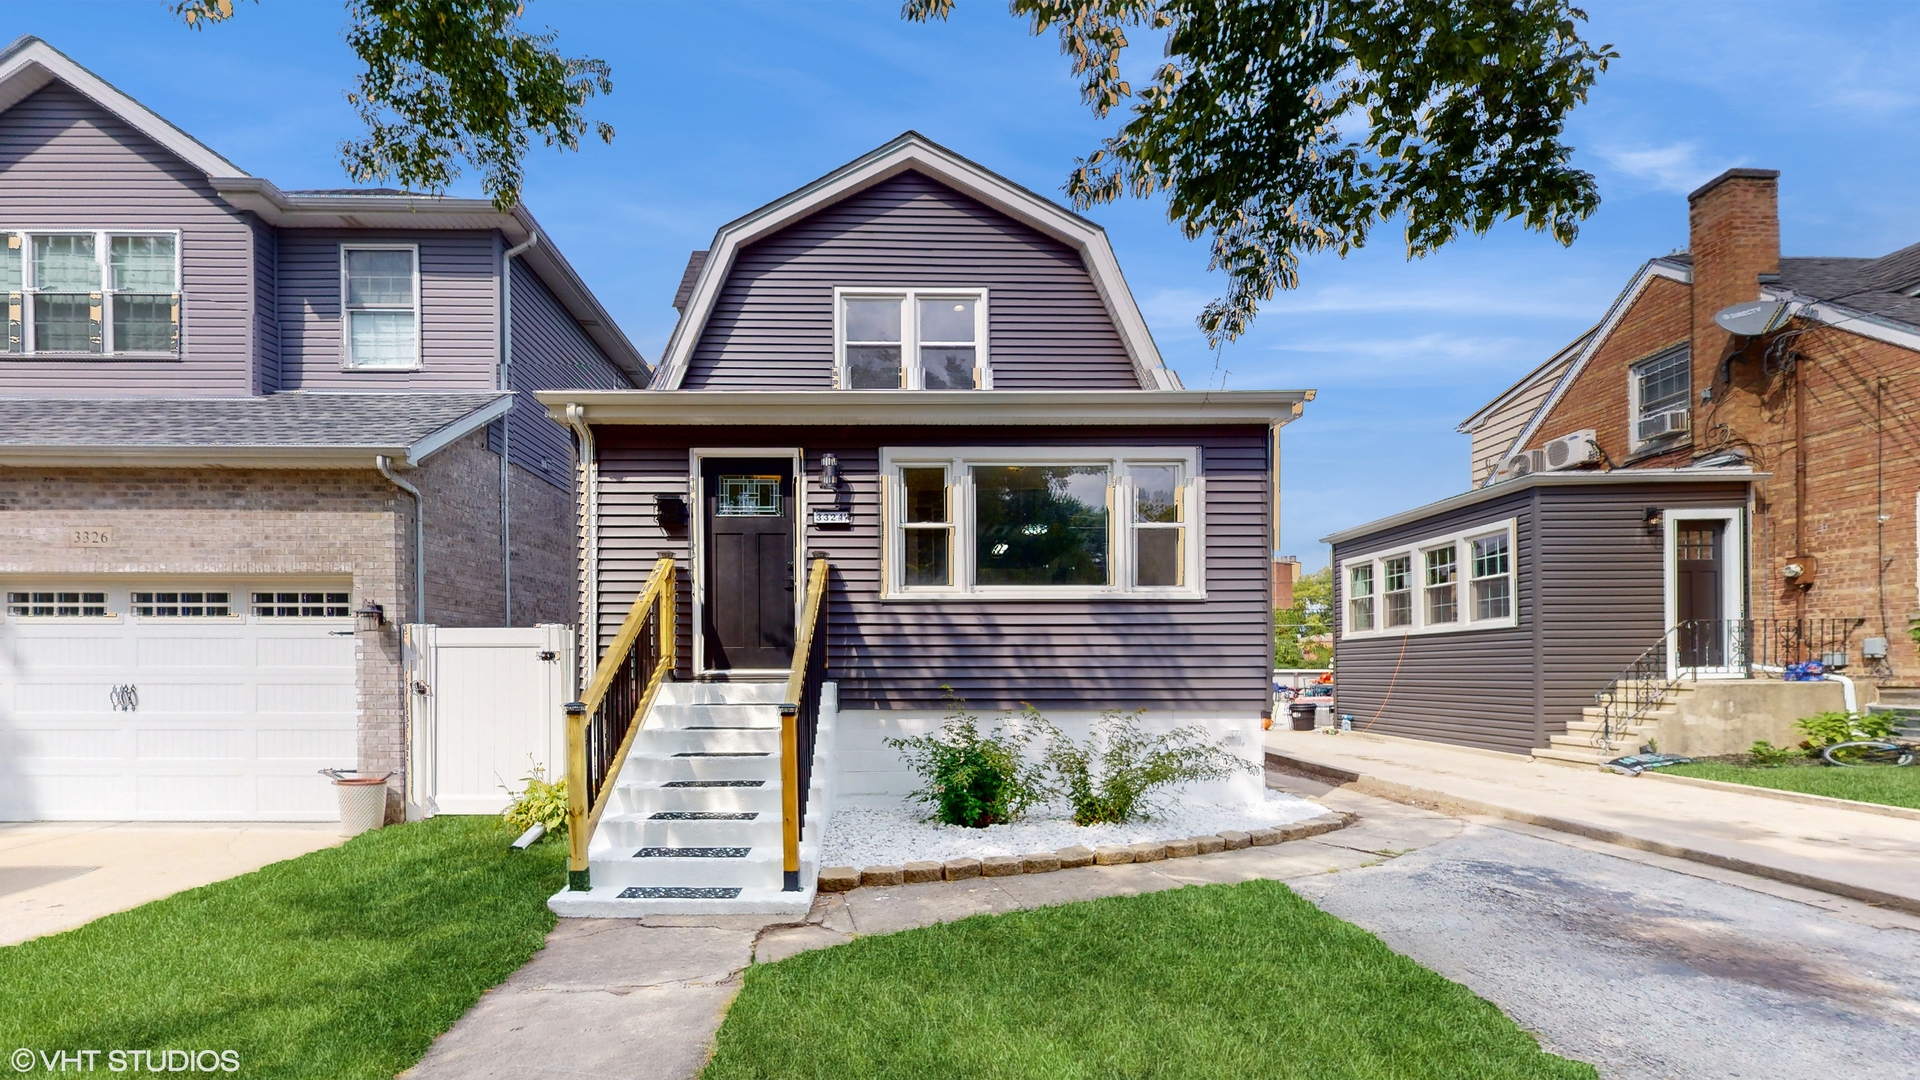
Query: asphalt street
[(1646, 972)]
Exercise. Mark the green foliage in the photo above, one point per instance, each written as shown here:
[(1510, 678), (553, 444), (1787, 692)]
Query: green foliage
[(1889, 785), (451, 80), (541, 802), (1311, 616), (1828, 728), (1209, 982), (1768, 756), (1114, 776), (973, 778), (344, 964), (1286, 127)]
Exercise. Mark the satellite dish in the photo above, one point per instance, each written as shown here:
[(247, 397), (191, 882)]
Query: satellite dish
[(1753, 318)]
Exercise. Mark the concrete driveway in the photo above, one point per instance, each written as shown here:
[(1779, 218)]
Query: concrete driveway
[(55, 876)]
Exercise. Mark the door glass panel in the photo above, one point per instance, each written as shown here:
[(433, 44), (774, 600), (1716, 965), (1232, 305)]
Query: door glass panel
[(748, 496), (1040, 524)]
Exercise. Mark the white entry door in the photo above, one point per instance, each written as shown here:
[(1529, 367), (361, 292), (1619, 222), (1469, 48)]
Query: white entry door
[(120, 701), (486, 710)]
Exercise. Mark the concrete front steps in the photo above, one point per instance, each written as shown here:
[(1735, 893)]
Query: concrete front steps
[(694, 823), (1902, 703), (1583, 743)]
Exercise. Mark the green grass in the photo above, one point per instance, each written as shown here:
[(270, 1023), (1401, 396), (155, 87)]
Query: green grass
[(1208, 981), (341, 964), (1888, 785)]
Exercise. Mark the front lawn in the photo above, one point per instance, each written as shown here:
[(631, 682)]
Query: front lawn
[(1209, 981), (1888, 785), (340, 964)]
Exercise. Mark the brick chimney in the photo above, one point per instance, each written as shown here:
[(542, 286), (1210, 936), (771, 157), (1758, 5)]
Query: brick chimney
[(1733, 228)]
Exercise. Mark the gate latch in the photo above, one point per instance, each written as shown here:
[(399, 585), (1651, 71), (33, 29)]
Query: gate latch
[(549, 655)]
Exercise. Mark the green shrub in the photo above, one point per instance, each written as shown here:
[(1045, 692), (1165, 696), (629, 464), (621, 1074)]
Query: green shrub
[(1827, 728), (1768, 755), (540, 803), (1113, 777), (974, 778)]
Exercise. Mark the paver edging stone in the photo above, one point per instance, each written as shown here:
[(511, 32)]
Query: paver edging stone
[(846, 878)]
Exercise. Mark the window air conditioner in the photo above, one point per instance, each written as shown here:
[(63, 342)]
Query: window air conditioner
[(1568, 451), (1661, 425)]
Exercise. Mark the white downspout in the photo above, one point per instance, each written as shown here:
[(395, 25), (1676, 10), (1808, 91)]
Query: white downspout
[(590, 532), (506, 422), (385, 465)]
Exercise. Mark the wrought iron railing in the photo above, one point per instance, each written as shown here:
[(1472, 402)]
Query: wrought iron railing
[(602, 724), (1738, 647), (800, 720)]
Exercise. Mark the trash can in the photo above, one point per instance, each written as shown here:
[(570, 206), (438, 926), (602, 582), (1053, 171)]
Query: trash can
[(1302, 715), (363, 799)]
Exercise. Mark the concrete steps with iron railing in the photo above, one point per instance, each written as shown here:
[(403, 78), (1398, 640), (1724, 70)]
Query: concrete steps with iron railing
[(1585, 742)]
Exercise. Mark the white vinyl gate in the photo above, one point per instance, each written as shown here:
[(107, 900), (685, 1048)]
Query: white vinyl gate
[(115, 716), (485, 706)]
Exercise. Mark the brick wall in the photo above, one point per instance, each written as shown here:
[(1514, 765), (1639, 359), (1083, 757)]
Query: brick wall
[(1659, 319)]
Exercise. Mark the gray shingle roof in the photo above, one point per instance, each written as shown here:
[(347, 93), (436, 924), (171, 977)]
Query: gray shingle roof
[(281, 421), (1876, 286)]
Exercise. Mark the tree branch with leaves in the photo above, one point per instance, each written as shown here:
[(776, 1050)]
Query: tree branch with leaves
[(1282, 128)]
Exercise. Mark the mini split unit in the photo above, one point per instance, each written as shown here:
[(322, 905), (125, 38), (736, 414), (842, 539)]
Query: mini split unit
[(1566, 452)]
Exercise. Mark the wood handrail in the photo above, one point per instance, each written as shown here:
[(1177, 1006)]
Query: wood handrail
[(790, 724), (584, 812)]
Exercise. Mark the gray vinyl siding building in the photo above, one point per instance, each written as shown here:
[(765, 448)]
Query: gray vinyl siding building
[(1590, 595)]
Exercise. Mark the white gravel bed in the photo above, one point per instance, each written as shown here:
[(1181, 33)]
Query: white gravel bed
[(862, 836)]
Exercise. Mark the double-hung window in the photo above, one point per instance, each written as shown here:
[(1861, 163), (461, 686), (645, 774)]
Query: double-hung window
[(380, 302), (1038, 523), (911, 339), (102, 293), (1462, 581), (1662, 388)]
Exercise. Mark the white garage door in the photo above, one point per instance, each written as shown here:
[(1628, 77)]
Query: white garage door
[(168, 701)]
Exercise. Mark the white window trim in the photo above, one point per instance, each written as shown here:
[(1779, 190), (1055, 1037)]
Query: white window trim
[(1120, 490), (1463, 584), (1634, 443), (102, 257), (419, 317), (1732, 579), (910, 331)]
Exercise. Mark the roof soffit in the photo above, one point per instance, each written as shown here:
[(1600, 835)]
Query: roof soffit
[(914, 152)]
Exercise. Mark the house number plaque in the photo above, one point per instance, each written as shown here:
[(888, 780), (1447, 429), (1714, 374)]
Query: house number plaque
[(832, 517), (94, 537)]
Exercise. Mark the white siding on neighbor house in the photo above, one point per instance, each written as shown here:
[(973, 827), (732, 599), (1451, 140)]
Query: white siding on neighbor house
[(1493, 439)]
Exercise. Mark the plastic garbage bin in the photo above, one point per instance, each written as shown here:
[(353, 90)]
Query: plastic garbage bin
[(363, 800), (1302, 715)]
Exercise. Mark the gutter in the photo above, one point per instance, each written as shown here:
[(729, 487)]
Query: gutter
[(960, 408), (385, 465), (505, 380), (575, 417)]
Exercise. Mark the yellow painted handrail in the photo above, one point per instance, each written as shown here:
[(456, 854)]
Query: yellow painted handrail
[(583, 807), (790, 722)]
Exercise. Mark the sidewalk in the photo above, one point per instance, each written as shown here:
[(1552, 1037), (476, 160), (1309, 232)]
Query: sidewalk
[(1862, 855)]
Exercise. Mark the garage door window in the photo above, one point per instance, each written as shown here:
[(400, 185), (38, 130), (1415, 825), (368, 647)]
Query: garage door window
[(301, 605), (182, 604), (32, 604)]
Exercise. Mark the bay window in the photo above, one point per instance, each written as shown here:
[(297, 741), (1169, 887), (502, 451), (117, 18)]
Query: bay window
[(911, 339), (97, 293), (1464, 581), (380, 303), (1039, 523)]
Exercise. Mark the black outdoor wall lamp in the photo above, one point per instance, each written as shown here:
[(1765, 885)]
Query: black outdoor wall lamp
[(371, 616), (829, 472), (1653, 519)]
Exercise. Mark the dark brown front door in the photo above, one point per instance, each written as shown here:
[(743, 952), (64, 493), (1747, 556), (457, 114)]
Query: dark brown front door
[(1699, 547), (748, 614)]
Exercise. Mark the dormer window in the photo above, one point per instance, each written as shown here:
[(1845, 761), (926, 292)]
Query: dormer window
[(99, 293), (911, 339), (380, 302)]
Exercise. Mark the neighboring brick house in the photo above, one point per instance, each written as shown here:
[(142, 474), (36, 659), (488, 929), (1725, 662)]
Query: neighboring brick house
[(231, 418), (1685, 494)]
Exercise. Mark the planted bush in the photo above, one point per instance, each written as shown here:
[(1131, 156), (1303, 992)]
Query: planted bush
[(541, 802), (1828, 728), (1767, 755), (972, 777), (1114, 777)]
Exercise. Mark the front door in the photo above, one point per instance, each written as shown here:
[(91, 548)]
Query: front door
[(748, 613), (1699, 548)]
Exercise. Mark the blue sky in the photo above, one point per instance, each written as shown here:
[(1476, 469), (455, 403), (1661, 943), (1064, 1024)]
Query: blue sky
[(721, 107)]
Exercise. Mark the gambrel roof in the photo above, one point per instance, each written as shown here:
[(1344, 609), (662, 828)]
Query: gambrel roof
[(915, 152)]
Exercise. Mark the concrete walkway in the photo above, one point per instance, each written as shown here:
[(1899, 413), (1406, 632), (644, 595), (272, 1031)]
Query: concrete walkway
[(1862, 855), (641, 999), (55, 876)]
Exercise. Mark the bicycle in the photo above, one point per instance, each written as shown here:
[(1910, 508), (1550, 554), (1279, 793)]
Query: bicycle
[(1869, 752)]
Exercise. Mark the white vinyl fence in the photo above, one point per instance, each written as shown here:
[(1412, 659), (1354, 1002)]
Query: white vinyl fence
[(484, 709)]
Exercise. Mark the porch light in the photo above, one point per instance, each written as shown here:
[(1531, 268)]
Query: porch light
[(1653, 519), (829, 472), (371, 616)]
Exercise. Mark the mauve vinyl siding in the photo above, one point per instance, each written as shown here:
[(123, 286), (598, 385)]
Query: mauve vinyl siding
[(459, 316), (772, 325), (67, 163), (1212, 655), (266, 308), (1589, 589), (550, 351)]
